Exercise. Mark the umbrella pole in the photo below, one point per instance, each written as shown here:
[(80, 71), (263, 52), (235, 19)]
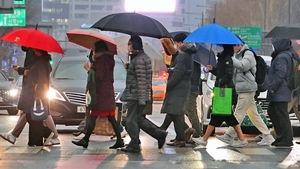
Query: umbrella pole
[(209, 54)]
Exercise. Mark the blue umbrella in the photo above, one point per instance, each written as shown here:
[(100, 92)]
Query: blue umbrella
[(203, 56), (214, 34)]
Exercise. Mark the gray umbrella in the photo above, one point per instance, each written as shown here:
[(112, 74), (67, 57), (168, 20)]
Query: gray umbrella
[(285, 32)]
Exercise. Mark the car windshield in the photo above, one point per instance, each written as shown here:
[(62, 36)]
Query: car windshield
[(158, 82), (74, 70)]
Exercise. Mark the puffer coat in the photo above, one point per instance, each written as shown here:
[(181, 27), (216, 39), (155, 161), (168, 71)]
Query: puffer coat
[(104, 76), (245, 69), (139, 79)]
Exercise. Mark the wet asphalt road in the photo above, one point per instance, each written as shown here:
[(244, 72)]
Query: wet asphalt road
[(216, 155)]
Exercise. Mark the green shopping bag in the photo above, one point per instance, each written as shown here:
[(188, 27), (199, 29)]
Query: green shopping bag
[(222, 101)]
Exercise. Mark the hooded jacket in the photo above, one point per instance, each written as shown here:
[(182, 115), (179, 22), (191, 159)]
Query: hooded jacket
[(279, 71), (179, 82), (245, 69)]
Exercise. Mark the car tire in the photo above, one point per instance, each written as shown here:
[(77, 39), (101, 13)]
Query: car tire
[(12, 111)]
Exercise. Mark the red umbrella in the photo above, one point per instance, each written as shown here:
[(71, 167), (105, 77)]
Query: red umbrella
[(33, 38)]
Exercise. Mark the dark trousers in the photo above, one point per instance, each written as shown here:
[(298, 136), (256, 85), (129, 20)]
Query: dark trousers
[(37, 132), (92, 122), (178, 121), (168, 121), (135, 120), (281, 122)]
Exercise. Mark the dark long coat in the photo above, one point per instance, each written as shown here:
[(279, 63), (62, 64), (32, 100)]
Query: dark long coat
[(37, 84), (179, 82), (30, 58), (104, 76)]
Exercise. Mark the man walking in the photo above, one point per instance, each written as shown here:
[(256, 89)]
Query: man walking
[(178, 89), (279, 94), (137, 93)]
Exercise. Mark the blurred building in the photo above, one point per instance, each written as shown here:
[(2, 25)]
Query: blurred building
[(70, 14)]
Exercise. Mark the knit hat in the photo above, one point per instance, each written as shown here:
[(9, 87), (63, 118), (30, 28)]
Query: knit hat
[(136, 41), (179, 37)]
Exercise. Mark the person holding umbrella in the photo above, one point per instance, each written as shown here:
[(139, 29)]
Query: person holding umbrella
[(36, 87), (224, 75), (137, 94), (11, 136), (103, 66)]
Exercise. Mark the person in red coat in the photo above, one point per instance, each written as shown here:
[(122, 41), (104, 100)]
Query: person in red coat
[(103, 66)]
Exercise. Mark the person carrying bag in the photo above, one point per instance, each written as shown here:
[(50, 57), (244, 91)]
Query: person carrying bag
[(224, 93), (33, 98)]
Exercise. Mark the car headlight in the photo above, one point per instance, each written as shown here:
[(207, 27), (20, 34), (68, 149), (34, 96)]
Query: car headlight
[(209, 94), (54, 94), (13, 92)]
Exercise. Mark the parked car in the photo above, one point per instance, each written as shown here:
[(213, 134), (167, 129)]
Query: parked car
[(68, 85), (159, 86), (8, 94), (206, 102)]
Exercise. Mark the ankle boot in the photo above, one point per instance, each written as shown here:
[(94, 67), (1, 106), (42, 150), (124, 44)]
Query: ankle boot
[(82, 143), (118, 144)]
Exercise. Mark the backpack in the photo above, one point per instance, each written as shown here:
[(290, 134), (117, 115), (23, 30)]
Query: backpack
[(261, 75), (294, 79)]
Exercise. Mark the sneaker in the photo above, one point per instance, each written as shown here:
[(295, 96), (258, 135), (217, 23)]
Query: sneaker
[(240, 143), (52, 142), (200, 141), (266, 140), (9, 137), (226, 138), (79, 137), (49, 138), (258, 137)]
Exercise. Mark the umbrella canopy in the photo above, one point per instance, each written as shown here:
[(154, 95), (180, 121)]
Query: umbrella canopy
[(156, 57), (204, 55), (132, 24), (285, 32), (214, 34), (87, 38), (33, 38)]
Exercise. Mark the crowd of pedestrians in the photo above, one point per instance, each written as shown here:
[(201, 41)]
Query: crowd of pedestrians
[(236, 68)]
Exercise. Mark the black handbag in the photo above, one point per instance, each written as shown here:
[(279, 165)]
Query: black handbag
[(91, 90), (38, 112)]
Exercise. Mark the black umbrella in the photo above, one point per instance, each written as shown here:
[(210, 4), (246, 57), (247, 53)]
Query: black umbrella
[(285, 32), (132, 24), (204, 55)]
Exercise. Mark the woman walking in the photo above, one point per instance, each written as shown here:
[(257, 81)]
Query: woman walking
[(103, 66), (224, 74), (36, 88)]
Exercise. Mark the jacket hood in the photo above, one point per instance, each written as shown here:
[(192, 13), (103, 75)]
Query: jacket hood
[(189, 48), (168, 46), (280, 45)]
